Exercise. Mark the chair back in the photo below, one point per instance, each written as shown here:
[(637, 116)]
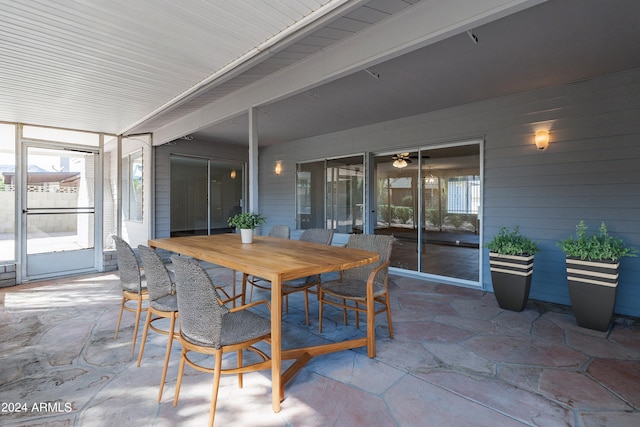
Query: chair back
[(201, 314), (381, 244), (281, 231), (130, 276), (317, 235), (159, 281)]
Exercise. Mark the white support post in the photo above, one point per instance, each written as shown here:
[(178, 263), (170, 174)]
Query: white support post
[(253, 160)]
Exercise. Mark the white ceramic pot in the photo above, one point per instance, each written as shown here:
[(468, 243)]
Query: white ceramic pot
[(247, 235)]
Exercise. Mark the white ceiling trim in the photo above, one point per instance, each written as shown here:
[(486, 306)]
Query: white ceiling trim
[(415, 27)]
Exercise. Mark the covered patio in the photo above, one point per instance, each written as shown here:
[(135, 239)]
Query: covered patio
[(456, 359)]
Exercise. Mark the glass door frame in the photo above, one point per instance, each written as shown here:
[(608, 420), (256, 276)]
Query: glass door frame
[(421, 151), (96, 256), (316, 197), (237, 170), (334, 181)]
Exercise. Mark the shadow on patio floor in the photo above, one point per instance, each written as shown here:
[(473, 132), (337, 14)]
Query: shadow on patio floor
[(456, 359)]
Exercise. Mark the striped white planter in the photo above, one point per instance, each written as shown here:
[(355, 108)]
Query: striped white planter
[(592, 289), (511, 264), (601, 273), (511, 278)]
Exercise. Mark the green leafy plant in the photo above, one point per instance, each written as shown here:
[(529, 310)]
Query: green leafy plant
[(407, 201), (595, 246), (456, 220), (246, 220), (403, 213), (512, 242), (433, 217)]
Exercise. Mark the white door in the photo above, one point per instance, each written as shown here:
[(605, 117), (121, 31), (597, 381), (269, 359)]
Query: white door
[(58, 210)]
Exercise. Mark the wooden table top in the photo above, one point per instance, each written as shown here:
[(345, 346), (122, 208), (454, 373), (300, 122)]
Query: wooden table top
[(267, 257), (276, 260)]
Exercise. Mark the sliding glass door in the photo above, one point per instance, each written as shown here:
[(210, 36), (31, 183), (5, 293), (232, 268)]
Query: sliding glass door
[(345, 194), (204, 193), (430, 201), (330, 194), (396, 205)]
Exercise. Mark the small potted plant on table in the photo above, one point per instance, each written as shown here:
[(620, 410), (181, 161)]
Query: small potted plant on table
[(593, 261), (511, 261), (246, 222)]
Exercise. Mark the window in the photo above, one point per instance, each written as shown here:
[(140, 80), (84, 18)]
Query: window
[(61, 135), (464, 195), (132, 186)]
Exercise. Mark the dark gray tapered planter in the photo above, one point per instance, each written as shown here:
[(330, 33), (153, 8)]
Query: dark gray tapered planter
[(592, 289), (511, 277)]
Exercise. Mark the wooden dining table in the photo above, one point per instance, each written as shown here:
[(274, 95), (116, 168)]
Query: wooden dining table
[(276, 260)]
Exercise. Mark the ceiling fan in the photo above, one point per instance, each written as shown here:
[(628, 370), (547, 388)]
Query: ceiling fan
[(401, 160)]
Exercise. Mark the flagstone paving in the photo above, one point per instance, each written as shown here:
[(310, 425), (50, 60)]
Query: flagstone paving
[(456, 359)]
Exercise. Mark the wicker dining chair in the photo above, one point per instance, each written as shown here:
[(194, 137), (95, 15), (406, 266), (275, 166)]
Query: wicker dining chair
[(209, 327), (360, 288), (163, 304), (282, 232), (305, 284), (134, 287)]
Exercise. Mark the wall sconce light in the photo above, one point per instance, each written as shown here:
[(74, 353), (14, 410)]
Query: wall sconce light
[(542, 139), (233, 174), (278, 169)]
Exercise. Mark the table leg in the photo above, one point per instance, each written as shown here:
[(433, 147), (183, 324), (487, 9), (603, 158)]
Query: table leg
[(243, 288), (277, 391), (234, 288)]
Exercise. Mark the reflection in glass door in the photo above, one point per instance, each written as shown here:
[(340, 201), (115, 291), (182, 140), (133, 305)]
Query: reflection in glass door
[(204, 193), (396, 206), (58, 210), (345, 194), (430, 201), (226, 194), (189, 196)]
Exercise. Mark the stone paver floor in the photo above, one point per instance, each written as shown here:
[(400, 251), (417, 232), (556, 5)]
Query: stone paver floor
[(456, 360)]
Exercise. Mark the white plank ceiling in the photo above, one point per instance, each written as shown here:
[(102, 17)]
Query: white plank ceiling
[(105, 65), (133, 66)]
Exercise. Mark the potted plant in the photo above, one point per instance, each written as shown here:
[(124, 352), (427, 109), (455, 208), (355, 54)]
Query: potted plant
[(246, 222), (593, 261), (511, 262)]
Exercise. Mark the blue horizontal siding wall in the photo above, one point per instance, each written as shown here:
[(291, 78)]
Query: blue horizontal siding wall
[(590, 171), (195, 148)]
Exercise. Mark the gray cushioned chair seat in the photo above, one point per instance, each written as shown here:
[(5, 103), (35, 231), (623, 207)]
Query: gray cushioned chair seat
[(166, 303), (237, 327), (352, 288)]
